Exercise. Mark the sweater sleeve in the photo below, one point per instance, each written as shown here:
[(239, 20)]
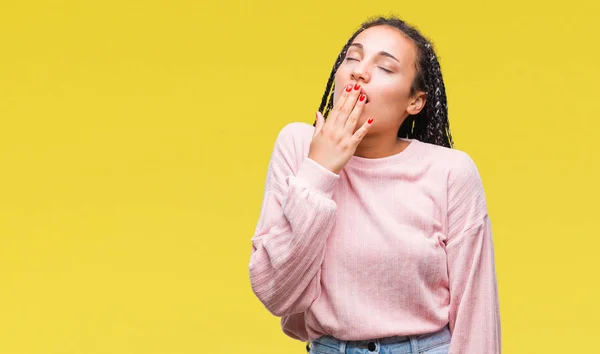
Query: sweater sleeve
[(474, 316), (296, 217)]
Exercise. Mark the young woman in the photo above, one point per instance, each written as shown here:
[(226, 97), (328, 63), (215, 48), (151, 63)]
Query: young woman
[(374, 234)]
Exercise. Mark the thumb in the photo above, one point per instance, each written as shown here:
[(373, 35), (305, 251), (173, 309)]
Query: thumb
[(320, 122)]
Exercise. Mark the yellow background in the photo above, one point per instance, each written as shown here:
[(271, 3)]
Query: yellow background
[(135, 139)]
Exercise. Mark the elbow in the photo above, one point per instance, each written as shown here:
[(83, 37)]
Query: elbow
[(265, 289), (284, 310), (282, 293), (269, 298), (279, 311), (277, 301)]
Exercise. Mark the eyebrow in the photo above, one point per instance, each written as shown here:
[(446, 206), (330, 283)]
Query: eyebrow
[(384, 53)]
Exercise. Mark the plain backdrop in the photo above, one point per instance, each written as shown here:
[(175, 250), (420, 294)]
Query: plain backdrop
[(135, 138)]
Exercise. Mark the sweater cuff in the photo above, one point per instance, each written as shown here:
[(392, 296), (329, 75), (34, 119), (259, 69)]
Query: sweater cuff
[(318, 177)]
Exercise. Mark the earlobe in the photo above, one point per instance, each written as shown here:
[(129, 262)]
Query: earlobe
[(416, 105)]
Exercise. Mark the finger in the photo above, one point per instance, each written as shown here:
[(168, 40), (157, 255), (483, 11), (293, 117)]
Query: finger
[(338, 105), (319, 125), (358, 136), (356, 112), (348, 106)]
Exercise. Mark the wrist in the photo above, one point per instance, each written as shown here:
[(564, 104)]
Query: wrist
[(317, 176)]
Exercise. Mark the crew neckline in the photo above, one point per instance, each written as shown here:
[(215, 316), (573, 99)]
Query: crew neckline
[(368, 163)]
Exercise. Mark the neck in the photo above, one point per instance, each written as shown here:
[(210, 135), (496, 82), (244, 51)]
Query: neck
[(373, 147)]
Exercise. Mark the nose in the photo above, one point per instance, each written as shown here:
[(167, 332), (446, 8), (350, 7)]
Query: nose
[(360, 72)]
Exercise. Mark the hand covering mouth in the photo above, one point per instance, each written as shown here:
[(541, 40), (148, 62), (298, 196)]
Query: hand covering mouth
[(364, 93)]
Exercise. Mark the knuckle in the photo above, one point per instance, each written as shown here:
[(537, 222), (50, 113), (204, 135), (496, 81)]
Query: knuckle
[(330, 133), (337, 135), (346, 109)]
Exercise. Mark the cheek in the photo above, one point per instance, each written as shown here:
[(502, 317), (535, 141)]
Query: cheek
[(395, 93)]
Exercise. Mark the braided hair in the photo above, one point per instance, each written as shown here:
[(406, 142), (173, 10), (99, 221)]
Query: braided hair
[(431, 124)]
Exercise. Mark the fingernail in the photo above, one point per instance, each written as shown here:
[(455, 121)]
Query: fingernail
[(370, 120), (362, 97), (356, 87), (349, 88)]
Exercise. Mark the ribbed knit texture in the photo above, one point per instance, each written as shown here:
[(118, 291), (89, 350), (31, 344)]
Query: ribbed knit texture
[(399, 245)]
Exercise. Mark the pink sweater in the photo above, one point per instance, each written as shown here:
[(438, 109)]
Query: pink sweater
[(399, 245)]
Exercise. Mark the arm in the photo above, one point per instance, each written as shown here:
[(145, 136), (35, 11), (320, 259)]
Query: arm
[(474, 305), (296, 217)]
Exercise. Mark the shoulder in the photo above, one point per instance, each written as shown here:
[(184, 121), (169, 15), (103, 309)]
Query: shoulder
[(293, 143), (463, 180), (455, 162), (296, 131), (295, 137)]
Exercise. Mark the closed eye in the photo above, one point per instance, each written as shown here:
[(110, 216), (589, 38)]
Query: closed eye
[(384, 69)]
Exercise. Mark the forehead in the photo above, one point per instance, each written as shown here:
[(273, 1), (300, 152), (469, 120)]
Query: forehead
[(386, 38)]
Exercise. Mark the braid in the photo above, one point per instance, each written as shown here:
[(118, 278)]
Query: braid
[(436, 129), (431, 124)]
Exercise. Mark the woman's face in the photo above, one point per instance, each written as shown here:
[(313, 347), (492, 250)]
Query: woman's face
[(382, 60)]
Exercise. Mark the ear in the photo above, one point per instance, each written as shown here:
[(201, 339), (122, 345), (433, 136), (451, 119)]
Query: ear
[(416, 103)]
